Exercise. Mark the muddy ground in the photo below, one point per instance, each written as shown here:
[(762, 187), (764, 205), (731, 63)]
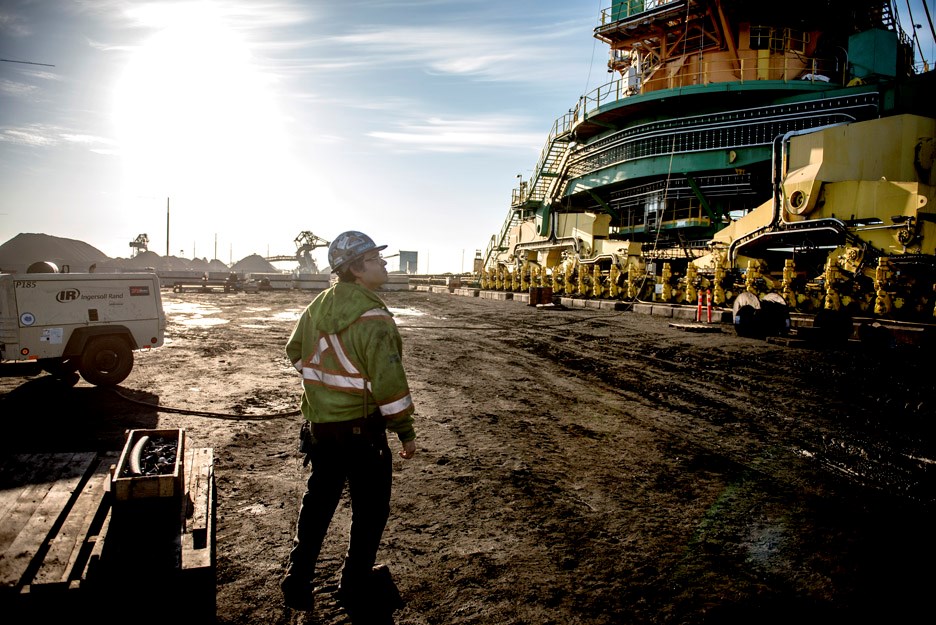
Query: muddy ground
[(575, 466)]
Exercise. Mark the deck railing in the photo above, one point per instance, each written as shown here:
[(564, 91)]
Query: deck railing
[(622, 10)]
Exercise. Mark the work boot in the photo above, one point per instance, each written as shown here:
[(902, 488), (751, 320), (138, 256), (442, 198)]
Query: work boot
[(372, 599), (297, 593), (385, 589)]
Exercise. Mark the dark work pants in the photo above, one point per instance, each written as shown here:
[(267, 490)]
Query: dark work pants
[(362, 461)]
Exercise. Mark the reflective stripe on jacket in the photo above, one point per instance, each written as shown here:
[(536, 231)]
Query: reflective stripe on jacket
[(349, 351)]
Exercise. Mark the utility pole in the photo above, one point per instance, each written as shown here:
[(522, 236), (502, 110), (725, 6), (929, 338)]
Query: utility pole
[(167, 227)]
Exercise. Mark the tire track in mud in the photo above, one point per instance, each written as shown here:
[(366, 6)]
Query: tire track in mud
[(512, 508), (742, 397), (577, 490), (749, 487), (730, 395)]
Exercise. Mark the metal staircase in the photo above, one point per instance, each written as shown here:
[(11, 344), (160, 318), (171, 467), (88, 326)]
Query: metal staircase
[(541, 187)]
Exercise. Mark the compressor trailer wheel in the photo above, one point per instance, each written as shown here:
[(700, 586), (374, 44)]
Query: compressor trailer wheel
[(106, 361)]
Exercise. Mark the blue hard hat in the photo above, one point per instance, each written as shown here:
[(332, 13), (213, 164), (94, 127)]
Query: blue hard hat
[(349, 246)]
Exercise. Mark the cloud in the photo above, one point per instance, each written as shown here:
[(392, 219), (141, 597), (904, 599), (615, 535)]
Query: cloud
[(32, 136), (17, 89), (88, 140), (454, 51), (460, 136), (48, 136), (13, 24), (241, 14)]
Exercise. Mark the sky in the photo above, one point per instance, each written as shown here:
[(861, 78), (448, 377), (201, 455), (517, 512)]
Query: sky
[(226, 128), (246, 122)]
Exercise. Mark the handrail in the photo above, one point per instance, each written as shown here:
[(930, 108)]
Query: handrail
[(613, 92), (611, 14)]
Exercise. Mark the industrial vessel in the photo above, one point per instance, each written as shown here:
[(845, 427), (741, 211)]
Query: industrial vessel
[(767, 155)]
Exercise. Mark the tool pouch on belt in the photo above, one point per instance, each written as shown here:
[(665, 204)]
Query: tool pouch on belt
[(305, 442)]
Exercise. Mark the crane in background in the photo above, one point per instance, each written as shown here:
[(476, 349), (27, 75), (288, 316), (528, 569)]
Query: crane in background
[(305, 242), (140, 244)]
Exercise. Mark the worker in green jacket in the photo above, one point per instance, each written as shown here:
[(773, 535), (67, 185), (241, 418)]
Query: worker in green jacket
[(349, 352)]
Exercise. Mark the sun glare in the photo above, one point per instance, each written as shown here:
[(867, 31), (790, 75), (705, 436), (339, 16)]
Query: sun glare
[(196, 119)]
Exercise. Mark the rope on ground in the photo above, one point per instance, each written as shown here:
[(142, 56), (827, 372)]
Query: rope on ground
[(204, 413)]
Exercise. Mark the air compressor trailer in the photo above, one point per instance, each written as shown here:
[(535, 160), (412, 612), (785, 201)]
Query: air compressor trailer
[(88, 323)]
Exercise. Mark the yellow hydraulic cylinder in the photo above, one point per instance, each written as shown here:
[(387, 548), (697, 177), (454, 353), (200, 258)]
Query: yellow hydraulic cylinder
[(597, 289), (567, 280), (789, 272), (691, 292), (832, 299), (524, 279), (667, 294), (753, 273), (613, 274), (719, 292), (882, 278), (631, 282)]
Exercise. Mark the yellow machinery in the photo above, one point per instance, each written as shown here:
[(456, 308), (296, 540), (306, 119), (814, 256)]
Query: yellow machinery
[(851, 230)]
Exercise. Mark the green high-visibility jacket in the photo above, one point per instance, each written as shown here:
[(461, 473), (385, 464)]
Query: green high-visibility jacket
[(350, 354)]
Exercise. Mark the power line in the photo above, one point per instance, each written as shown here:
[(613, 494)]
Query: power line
[(26, 62)]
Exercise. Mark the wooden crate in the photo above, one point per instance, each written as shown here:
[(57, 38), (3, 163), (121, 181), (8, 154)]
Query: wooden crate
[(127, 487)]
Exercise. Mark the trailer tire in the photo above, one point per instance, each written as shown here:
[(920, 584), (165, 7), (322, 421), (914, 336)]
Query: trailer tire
[(106, 361)]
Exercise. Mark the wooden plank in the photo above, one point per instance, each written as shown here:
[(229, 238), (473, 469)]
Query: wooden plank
[(200, 475), (198, 540), (70, 543), (37, 512), (16, 473), (188, 500), (93, 565), (26, 495)]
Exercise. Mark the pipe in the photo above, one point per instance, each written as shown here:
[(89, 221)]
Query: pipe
[(135, 454)]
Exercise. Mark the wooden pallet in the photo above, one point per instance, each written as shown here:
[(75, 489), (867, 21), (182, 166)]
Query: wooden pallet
[(55, 522)]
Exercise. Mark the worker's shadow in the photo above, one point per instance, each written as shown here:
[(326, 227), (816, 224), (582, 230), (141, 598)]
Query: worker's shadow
[(46, 414)]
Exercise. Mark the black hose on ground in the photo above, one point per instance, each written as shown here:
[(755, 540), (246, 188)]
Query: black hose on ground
[(203, 413)]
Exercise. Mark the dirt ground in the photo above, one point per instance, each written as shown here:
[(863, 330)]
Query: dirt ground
[(574, 466)]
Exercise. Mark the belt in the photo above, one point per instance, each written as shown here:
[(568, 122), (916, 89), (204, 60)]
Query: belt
[(373, 424)]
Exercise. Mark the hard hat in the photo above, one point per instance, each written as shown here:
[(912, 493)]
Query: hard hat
[(348, 246)]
